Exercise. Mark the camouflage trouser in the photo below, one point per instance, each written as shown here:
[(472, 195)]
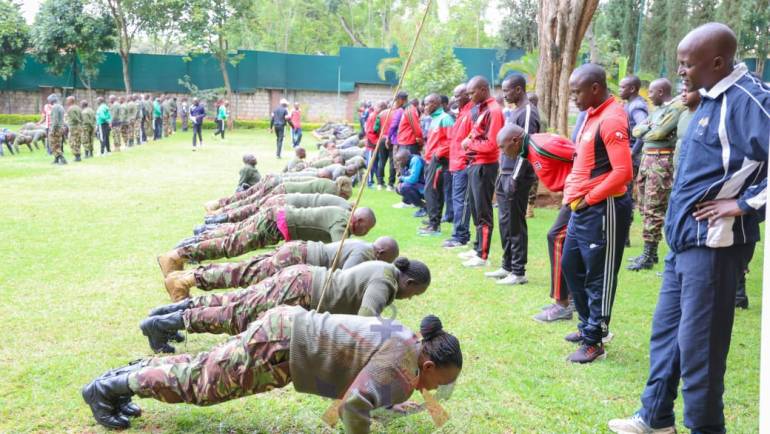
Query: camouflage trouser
[(55, 138), (656, 177), (76, 138), (261, 231), (254, 361), (115, 131), (533, 193), (257, 191), (88, 137), (246, 211), (132, 132), (166, 125), (125, 132), (148, 127), (251, 271), (232, 312)]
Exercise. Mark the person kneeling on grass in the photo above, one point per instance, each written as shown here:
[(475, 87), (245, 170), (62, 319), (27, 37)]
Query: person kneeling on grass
[(249, 175), (365, 362), (269, 227), (365, 290), (411, 185)]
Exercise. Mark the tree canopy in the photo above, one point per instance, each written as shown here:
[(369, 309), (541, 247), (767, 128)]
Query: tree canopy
[(14, 38)]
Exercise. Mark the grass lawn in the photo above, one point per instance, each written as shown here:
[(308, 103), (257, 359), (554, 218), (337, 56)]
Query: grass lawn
[(78, 246)]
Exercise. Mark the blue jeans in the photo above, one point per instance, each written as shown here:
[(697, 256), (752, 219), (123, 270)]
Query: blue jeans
[(690, 336), (461, 210), (296, 136)]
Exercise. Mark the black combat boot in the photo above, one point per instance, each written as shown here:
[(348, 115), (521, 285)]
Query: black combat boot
[(125, 406), (104, 396), (170, 308), (159, 328), (77, 158), (62, 160), (648, 259), (203, 228), (215, 219), (188, 242), (55, 160)]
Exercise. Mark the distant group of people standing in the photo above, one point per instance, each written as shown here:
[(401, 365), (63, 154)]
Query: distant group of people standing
[(280, 118)]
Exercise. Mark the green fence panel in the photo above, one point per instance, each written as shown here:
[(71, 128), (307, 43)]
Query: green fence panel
[(157, 73), (312, 72), (752, 65), (485, 61), (271, 70), (110, 75), (359, 65), (34, 76), (205, 72)]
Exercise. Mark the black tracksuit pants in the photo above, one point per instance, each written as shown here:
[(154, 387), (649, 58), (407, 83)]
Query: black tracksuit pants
[(512, 198), (481, 182), (434, 190)]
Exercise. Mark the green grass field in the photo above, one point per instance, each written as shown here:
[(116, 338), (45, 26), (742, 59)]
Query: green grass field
[(78, 273)]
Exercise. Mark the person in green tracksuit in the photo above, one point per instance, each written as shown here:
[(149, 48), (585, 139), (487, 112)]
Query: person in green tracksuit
[(104, 124), (368, 363), (222, 118), (157, 119)]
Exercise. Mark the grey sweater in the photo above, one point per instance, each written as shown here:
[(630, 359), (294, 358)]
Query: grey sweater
[(354, 252), (365, 289), (367, 362)]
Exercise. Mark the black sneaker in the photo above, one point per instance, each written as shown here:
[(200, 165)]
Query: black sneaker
[(588, 354)]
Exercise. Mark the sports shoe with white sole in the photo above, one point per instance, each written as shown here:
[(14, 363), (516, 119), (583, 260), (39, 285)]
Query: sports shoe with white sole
[(497, 274), (635, 425), (476, 262), (402, 205), (512, 279), (553, 313), (468, 254)]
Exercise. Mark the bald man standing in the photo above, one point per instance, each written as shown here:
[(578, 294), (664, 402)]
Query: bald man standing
[(656, 171), (712, 225), (596, 192), (481, 150)]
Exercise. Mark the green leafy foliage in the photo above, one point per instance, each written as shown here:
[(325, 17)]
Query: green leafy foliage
[(14, 38), (66, 34), (526, 65)]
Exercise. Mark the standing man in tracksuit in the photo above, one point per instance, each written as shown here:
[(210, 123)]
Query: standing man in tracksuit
[(483, 153), (437, 158), (409, 135), (458, 163), (513, 187), (601, 210), (712, 225)]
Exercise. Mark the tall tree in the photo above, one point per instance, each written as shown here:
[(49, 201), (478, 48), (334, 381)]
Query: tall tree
[(702, 11), (519, 27), (755, 38), (207, 27), (675, 31), (561, 27), (14, 39), (65, 35), (133, 16), (654, 36)]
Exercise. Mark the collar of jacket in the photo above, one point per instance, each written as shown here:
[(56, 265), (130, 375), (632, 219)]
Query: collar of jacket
[(721, 87)]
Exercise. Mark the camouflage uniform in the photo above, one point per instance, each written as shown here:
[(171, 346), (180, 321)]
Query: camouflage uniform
[(56, 130), (131, 110), (258, 190), (656, 171), (115, 113), (89, 124), (232, 312), (246, 211), (253, 270), (166, 117), (147, 120), (75, 124), (254, 361), (125, 124), (260, 231)]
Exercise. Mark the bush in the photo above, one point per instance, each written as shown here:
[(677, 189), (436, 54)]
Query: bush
[(18, 119)]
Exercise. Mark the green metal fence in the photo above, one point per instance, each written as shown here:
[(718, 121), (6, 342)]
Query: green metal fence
[(257, 69)]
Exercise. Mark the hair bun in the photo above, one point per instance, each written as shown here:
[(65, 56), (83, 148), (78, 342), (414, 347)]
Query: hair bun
[(431, 327), (402, 263)]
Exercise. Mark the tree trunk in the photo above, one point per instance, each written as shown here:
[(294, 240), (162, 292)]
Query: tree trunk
[(349, 30), (561, 27), (126, 72), (222, 57), (124, 39)]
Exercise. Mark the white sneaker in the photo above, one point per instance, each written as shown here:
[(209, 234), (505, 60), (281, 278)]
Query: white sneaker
[(607, 339), (468, 254), (497, 274), (635, 425), (380, 187), (512, 279), (402, 205), (389, 188), (476, 262)]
